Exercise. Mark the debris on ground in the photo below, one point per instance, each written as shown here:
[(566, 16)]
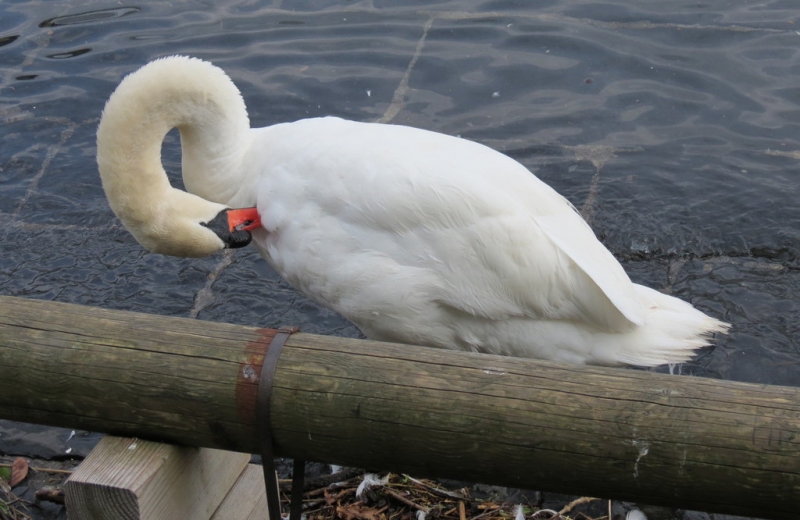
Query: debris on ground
[(394, 496)]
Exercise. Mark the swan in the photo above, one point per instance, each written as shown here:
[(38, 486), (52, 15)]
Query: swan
[(414, 236)]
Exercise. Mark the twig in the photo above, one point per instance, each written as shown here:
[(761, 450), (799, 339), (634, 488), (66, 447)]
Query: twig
[(437, 491), (311, 504), (487, 512), (43, 470), (583, 500), (406, 501), (347, 486), (8, 501), (315, 483), (50, 494)]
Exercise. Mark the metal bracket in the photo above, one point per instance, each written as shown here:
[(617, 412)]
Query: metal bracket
[(265, 438)]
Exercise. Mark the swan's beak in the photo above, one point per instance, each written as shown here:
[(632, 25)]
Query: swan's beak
[(243, 219), (233, 226)]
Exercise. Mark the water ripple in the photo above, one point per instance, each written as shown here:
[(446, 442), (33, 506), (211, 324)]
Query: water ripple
[(89, 16)]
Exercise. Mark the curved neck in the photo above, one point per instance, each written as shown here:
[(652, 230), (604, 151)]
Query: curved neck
[(206, 107), (198, 99), (213, 146)]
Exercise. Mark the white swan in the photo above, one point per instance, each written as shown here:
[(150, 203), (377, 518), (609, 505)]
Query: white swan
[(414, 236)]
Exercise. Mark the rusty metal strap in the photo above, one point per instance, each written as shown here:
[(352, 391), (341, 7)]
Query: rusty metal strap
[(265, 437)]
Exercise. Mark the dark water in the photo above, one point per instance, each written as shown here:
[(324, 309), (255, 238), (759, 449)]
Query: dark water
[(672, 125)]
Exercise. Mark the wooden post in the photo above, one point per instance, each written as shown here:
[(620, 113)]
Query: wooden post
[(246, 499), (687, 442), (132, 479)]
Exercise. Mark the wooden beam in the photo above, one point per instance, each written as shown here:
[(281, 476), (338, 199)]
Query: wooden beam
[(694, 443), (132, 479), (246, 500)]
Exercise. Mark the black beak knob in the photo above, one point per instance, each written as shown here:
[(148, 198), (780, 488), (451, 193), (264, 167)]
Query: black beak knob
[(233, 239)]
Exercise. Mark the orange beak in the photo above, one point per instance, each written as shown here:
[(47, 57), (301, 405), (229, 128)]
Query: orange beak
[(243, 219)]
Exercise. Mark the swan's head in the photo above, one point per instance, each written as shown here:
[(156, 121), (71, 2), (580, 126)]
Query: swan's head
[(199, 99), (186, 225)]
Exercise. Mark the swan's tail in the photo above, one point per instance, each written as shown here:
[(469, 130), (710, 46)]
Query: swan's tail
[(673, 331)]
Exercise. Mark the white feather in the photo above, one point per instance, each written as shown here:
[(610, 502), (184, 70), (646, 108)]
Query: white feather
[(635, 514), (370, 481)]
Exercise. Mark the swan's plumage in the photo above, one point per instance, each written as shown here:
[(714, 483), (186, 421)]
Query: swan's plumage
[(415, 236), (215, 135)]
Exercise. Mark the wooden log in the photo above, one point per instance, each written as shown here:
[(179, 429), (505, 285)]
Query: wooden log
[(132, 479), (686, 442)]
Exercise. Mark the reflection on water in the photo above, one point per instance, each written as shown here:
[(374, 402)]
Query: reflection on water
[(70, 54), (5, 40), (89, 16), (674, 127)]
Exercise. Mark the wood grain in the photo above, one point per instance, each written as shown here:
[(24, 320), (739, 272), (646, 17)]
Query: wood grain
[(132, 479)]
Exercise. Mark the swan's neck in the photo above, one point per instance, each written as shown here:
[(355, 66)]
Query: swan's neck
[(214, 142), (203, 103)]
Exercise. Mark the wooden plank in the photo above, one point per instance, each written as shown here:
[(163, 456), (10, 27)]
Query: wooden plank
[(246, 499), (709, 445), (132, 479)]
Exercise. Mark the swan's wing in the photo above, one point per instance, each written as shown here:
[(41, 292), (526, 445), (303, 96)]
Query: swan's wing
[(488, 237), (577, 241), (507, 265)]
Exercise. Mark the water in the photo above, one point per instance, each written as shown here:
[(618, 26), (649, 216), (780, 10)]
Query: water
[(673, 126)]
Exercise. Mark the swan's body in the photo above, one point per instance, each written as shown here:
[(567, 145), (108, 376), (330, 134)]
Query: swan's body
[(414, 236)]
